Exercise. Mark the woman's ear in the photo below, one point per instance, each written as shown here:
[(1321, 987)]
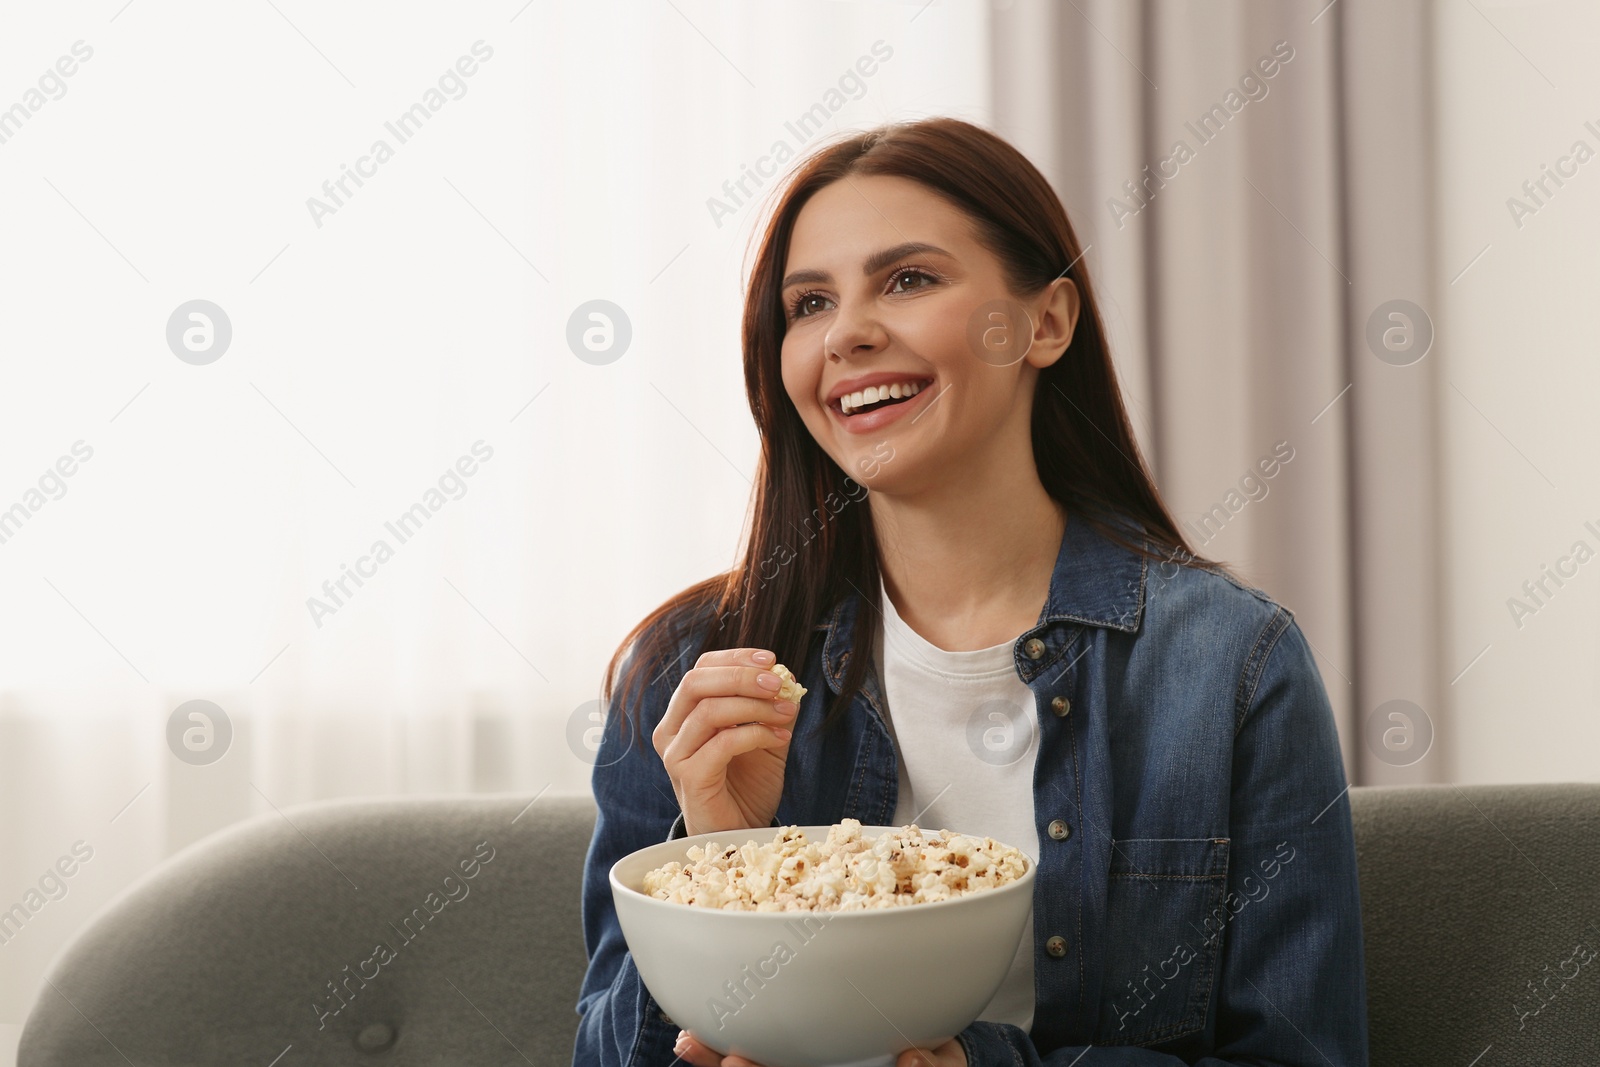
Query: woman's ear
[(1057, 316)]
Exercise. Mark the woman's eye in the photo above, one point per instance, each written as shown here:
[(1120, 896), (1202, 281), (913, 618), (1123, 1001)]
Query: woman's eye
[(797, 306), (914, 273)]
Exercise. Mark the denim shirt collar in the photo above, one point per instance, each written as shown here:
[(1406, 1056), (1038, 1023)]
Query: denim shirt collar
[(1095, 582)]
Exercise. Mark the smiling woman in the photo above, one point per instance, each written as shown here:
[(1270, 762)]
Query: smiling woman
[(920, 323)]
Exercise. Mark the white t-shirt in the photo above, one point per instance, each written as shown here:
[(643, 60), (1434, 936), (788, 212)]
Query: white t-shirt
[(966, 740)]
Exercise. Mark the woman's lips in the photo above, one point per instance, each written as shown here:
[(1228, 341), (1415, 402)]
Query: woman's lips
[(878, 417)]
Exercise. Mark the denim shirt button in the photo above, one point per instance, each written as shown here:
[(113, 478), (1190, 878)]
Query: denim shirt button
[(1060, 705), (1056, 946), (664, 1017), (1059, 830), (1034, 648)]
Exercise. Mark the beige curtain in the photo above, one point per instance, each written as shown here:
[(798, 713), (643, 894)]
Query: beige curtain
[(1253, 181)]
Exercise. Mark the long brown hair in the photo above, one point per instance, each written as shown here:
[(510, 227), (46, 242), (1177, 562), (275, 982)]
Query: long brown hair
[(811, 543)]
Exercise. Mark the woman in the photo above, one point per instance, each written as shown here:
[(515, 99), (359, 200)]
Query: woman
[(1001, 630)]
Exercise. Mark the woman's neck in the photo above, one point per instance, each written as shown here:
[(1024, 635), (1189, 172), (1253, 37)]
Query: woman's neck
[(968, 564)]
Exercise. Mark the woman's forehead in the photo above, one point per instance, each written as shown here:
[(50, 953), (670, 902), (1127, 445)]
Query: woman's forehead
[(846, 223)]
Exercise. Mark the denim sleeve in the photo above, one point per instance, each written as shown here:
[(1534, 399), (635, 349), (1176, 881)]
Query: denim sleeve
[(635, 807), (1291, 985)]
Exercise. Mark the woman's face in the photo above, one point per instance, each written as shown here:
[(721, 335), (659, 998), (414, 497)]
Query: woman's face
[(862, 308)]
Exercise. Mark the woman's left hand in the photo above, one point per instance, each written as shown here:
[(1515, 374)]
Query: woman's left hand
[(949, 1054)]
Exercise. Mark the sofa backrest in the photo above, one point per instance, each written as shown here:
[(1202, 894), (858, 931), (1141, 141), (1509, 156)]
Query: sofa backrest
[(1473, 901), (1479, 903), (232, 950)]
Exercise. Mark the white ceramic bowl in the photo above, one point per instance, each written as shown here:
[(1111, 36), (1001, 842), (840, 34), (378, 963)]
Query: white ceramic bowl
[(818, 989)]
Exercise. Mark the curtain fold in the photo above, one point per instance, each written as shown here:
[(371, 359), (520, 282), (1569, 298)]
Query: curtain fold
[(1396, 463)]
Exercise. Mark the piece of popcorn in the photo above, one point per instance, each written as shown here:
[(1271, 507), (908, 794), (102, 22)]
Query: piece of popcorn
[(791, 688)]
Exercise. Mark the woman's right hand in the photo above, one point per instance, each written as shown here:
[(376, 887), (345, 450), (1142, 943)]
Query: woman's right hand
[(724, 741)]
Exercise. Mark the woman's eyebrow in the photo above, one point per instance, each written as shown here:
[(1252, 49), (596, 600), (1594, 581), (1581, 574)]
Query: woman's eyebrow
[(874, 263)]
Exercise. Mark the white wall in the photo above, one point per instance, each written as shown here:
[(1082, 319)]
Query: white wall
[(1521, 376)]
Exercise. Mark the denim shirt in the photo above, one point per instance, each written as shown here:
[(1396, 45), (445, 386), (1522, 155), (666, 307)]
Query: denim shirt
[(1196, 900)]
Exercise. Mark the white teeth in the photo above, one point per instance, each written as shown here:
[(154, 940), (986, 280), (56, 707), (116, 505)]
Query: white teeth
[(874, 393)]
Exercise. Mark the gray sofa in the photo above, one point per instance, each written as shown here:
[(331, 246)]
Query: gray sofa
[(1475, 899)]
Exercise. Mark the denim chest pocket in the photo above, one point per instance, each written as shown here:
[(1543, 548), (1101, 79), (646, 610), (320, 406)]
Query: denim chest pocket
[(1164, 930)]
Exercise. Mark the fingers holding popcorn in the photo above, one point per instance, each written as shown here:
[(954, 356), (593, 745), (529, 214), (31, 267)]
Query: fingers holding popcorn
[(724, 738), (733, 676)]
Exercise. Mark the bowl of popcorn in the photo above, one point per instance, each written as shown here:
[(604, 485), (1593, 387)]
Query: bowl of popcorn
[(824, 946)]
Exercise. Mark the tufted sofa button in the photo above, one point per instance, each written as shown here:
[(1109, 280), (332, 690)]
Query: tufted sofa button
[(1056, 946), (1060, 705), (375, 1037), (1033, 647)]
